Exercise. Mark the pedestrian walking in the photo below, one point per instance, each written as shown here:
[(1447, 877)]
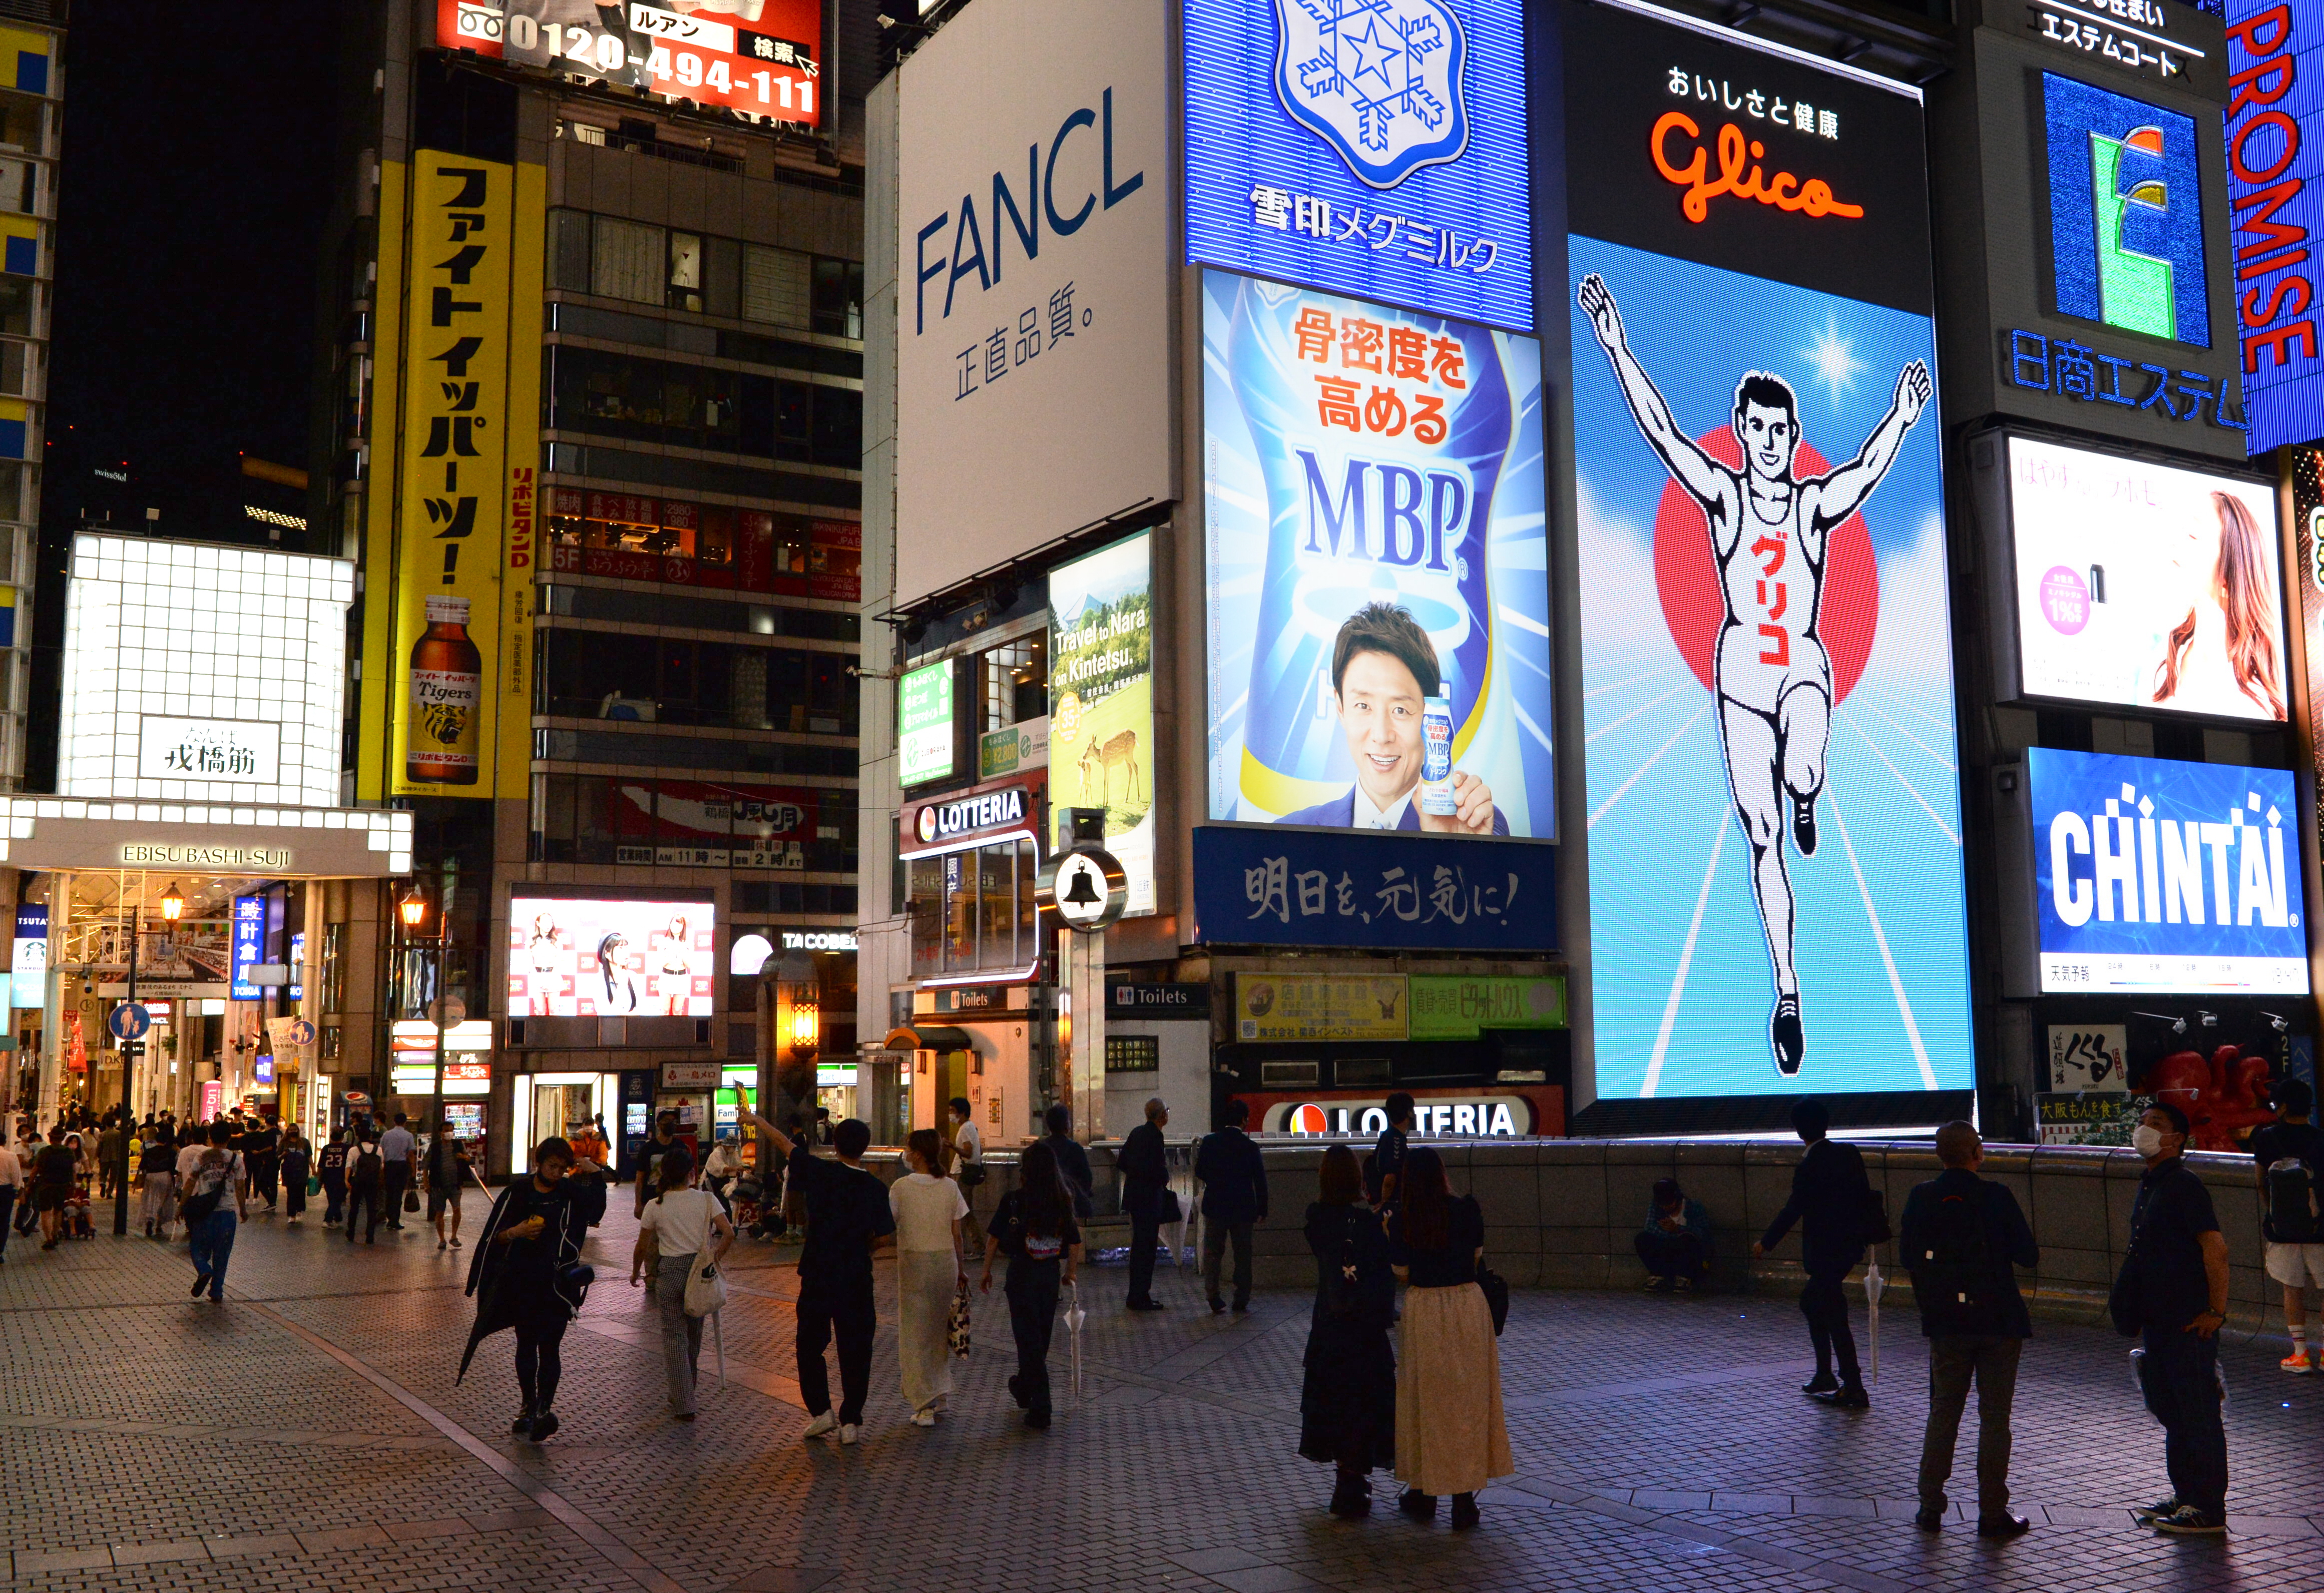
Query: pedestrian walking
[(11, 1189), (157, 1172), (331, 1170), (1450, 1435), (398, 1150), (2171, 1293), (1347, 1399), (1386, 1166), (448, 1173), (1143, 1164), (297, 1161), (847, 1219), (1675, 1242), (968, 1169), (262, 1152), (1830, 1194), (1073, 1161), (213, 1208), (1962, 1236), (928, 1208), (1034, 1224), (28, 1148), (54, 1173), (527, 1274), (2290, 1152), (108, 1155), (679, 1225), (366, 1167), (665, 1136), (1233, 1178)]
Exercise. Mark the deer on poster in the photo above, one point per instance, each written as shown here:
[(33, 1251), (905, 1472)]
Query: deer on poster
[(1097, 764)]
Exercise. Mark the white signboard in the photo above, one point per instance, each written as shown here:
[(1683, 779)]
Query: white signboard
[(2145, 586), (173, 748), (1034, 234), (2090, 1056)]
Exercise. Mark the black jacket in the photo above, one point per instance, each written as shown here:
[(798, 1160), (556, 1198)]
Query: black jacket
[(1143, 1164), (1073, 1167), (1233, 1177), (1829, 1188), (2008, 1243), (526, 1280)]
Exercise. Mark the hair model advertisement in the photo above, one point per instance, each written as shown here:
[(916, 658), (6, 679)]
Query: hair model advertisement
[(572, 957), (1775, 826), (2143, 585), (1378, 595)]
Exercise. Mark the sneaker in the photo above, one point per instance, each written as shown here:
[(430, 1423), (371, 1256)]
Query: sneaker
[(440, 1244), (1682, 1286), (1929, 1520), (2004, 1525), (1658, 1285), (2297, 1364), (455, 1242), (201, 1282), (924, 1418), (1848, 1397), (1822, 1383), (849, 1432), (543, 1425), (820, 1426), (2149, 1515), (522, 1426), (1147, 1305), (2188, 1522)]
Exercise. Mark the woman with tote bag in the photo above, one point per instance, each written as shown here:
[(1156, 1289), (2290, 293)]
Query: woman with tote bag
[(928, 1208), (678, 1225)]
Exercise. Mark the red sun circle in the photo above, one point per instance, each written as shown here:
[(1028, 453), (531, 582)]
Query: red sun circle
[(1694, 607)]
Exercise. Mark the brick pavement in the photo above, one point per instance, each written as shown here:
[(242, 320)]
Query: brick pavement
[(309, 1431)]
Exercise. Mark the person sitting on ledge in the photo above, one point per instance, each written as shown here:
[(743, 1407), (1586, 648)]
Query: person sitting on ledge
[(1675, 1242)]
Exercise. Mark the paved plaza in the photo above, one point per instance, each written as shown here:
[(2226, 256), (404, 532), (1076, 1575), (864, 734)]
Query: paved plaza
[(307, 1435)]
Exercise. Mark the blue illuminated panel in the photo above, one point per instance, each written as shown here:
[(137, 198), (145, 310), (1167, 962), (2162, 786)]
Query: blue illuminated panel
[(1374, 148)]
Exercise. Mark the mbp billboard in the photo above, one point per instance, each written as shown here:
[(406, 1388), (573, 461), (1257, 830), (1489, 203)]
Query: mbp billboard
[(1033, 363), (762, 57), (2138, 584), (1775, 850), (1373, 500), (2165, 878), (1372, 147)]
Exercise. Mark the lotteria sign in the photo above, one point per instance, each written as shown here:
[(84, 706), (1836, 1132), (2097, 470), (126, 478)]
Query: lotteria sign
[(2165, 877), (981, 815), (1483, 1117)]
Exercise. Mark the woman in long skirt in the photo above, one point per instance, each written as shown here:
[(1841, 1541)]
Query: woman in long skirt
[(929, 1275), (1450, 1436)]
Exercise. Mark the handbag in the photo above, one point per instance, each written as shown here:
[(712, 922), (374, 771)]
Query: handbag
[(410, 1199), (1496, 1289), (956, 1322), (1875, 1217), (705, 1283), (1167, 1209), (314, 1186), (968, 1174)]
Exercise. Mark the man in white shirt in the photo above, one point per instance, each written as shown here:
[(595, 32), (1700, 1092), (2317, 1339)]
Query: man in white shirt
[(401, 1151), (968, 1167)]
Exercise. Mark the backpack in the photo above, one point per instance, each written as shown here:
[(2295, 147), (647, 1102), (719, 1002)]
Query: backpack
[(207, 1187), (365, 1165), (1952, 1268), (2293, 1214)]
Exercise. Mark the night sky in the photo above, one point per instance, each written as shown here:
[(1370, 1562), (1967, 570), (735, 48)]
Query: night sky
[(196, 160)]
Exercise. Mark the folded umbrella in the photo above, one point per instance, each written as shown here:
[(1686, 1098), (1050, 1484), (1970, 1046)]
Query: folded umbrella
[(1873, 1285), (1075, 1317)]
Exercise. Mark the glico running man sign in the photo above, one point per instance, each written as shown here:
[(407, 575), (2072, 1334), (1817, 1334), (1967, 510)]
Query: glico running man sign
[(1766, 664)]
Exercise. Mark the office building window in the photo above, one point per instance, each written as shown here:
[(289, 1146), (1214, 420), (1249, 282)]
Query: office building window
[(627, 260), (685, 271), (775, 286)]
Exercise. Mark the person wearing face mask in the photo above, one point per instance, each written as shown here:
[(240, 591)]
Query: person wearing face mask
[(2171, 1293)]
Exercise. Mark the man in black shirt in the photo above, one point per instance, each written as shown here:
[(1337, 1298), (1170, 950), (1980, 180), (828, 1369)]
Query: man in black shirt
[(1072, 1162), (1962, 1237), (1830, 1191), (261, 1151), (2172, 1291), (847, 1219), (1143, 1164), (1233, 1177), (2290, 1202)]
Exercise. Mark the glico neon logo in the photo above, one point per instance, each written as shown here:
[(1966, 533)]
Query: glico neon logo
[(1783, 191)]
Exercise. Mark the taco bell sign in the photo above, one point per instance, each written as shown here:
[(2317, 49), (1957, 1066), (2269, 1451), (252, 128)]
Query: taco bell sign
[(1374, 148)]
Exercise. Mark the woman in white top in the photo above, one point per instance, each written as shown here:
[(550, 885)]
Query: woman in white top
[(678, 1225), (928, 1208)]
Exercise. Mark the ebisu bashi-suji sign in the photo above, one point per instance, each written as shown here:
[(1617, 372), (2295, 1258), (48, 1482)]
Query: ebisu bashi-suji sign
[(2276, 75), (1375, 148)]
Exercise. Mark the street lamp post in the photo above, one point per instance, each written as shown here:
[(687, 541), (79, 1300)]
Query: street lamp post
[(131, 1047)]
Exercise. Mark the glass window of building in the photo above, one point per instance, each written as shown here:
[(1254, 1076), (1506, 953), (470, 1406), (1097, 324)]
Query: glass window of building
[(775, 286), (972, 912), (1015, 683), (839, 298), (685, 271), (627, 260)]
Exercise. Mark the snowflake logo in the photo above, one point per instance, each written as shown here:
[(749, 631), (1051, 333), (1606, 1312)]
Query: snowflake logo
[(1382, 81)]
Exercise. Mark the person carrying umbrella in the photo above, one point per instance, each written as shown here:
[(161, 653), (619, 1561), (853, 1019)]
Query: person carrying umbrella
[(526, 1275)]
